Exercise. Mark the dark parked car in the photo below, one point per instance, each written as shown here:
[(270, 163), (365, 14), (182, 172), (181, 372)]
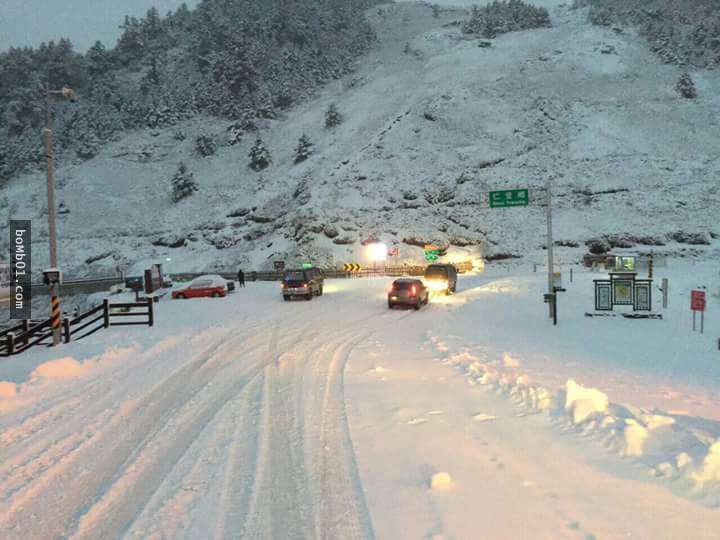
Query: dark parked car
[(441, 278), (408, 292), (305, 283)]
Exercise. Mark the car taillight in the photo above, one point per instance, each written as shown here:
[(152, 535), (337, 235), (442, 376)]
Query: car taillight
[(305, 285), (282, 285), (413, 291)]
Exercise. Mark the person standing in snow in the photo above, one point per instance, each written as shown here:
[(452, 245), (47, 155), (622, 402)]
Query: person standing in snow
[(241, 278)]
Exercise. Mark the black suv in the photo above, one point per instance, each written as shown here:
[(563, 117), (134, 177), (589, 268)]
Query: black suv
[(441, 277), (306, 283)]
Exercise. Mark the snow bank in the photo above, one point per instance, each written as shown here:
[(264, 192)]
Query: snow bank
[(62, 368), (582, 403), (657, 440), (7, 390)]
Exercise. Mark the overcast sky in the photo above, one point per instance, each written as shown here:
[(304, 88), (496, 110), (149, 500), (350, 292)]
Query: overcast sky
[(30, 22)]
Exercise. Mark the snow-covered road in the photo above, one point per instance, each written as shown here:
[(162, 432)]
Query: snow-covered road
[(249, 417)]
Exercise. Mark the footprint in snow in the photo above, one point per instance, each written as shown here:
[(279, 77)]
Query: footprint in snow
[(416, 421), (481, 417)]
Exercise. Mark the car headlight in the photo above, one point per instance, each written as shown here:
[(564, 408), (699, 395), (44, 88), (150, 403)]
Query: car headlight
[(437, 285)]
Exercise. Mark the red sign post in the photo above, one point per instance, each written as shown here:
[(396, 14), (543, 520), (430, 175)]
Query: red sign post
[(697, 303), (697, 300)]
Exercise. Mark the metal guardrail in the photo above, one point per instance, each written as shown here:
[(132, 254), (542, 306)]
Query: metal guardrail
[(330, 273)]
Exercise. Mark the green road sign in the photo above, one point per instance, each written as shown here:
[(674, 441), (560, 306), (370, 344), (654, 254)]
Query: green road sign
[(307, 265), (432, 255), (509, 197)]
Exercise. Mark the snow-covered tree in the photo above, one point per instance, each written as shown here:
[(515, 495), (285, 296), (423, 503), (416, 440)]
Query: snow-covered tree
[(259, 156), (332, 117), (304, 149), (183, 184), (500, 17), (205, 145), (686, 87)]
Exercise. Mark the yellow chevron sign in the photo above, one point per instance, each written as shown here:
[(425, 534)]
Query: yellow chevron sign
[(352, 267)]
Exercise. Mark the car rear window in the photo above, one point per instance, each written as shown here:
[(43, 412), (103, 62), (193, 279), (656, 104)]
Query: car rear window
[(403, 285), (294, 275)]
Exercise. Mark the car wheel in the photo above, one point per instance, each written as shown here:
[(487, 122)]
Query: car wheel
[(216, 295), (391, 305), (180, 296), (286, 298), (309, 296), (417, 306), (321, 292)]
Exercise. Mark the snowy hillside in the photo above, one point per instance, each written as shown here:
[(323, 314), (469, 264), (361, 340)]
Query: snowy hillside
[(432, 121)]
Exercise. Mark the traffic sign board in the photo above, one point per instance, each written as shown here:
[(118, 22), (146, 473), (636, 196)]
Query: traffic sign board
[(352, 267), (697, 300), (509, 197)]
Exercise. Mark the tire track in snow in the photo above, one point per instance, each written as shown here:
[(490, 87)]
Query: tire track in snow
[(121, 443), (342, 510), (56, 412), (136, 484), (191, 496), (36, 433), (31, 462), (280, 473)]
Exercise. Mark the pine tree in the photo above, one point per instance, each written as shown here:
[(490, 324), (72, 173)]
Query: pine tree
[(183, 184), (686, 87), (205, 145), (332, 117), (259, 156), (303, 149)]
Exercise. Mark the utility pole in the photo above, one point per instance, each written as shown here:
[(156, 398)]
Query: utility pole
[(54, 283), (550, 248)]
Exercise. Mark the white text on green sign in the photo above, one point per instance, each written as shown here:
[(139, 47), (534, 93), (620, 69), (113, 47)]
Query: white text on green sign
[(509, 197)]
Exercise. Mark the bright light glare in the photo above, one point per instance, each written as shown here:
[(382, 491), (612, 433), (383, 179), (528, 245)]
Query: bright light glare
[(377, 251), (437, 284)]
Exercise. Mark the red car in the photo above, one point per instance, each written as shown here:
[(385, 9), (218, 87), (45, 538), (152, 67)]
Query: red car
[(214, 286)]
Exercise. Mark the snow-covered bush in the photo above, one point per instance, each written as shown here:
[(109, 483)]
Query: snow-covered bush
[(259, 156), (205, 145), (304, 149), (183, 184), (500, 17), (332, 117), (686, 87)]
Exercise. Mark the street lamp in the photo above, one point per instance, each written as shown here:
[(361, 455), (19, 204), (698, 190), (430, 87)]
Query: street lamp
[(53, 275)]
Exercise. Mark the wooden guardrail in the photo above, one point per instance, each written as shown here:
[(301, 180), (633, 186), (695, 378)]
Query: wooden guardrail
[(27, 334)]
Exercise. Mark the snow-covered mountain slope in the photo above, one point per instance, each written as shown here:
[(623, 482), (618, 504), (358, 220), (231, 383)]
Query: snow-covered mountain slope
[(432, 121)]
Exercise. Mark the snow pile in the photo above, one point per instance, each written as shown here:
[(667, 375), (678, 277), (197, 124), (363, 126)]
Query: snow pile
[(660, 441), (7, 390), (709, 471), (62, 368), (581, 403)]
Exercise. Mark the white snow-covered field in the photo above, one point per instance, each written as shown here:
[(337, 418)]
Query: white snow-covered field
[(250, 417)]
